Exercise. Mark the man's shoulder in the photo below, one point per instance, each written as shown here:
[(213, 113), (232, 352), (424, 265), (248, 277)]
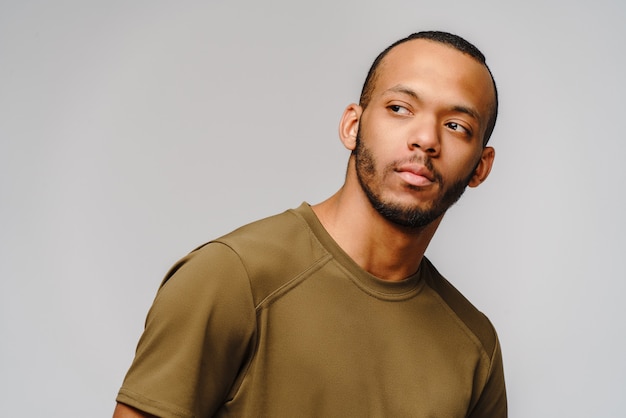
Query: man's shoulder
[(272, 230), (275, 236), (475, 321), (273, 250)]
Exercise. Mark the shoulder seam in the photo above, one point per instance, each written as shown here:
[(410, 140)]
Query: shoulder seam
[(466, 330), (300, 277)]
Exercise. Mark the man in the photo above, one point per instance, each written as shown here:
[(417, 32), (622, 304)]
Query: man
[(332, 310)]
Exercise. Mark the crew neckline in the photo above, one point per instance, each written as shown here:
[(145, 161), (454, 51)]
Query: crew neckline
[(383, 289)]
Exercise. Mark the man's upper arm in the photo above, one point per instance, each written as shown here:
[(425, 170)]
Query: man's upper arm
[(198, 334), (125, 411), (493, 402)]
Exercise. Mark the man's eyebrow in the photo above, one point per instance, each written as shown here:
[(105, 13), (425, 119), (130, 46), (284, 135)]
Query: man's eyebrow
[(467, 110), (412, 93), (404, 90)]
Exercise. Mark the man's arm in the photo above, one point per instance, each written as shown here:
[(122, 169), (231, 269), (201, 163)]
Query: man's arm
[(125, 411), (198, 334), (493, 402)]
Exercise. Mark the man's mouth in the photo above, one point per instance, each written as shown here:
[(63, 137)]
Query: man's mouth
[(416, 175)]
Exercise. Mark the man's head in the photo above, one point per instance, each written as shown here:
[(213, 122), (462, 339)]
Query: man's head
[(445, 38), (418, 136)]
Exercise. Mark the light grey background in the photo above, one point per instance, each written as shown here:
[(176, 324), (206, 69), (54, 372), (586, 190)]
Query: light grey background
[(133, 131)]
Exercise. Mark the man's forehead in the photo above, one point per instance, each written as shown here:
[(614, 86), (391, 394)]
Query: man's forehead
[(442, 69), (426, 50), (420, 56)]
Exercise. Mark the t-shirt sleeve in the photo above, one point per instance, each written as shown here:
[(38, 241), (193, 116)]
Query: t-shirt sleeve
[(198, 334), (492, 402)]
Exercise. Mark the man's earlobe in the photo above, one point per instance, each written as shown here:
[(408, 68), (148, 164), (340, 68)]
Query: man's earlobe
[(484, 167), (349, 125)]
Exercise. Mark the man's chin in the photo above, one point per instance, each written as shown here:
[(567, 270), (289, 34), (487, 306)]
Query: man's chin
[(407, 216)]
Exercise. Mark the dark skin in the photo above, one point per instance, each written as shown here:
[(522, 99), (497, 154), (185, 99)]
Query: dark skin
[(429, 102), (125, 411)]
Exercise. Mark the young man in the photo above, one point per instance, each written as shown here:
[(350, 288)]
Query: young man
[(332, 309)]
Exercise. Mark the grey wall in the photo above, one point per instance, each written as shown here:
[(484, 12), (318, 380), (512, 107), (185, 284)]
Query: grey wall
[(133, 131)]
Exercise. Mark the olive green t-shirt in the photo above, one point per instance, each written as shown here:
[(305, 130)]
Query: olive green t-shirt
[(275, 320)]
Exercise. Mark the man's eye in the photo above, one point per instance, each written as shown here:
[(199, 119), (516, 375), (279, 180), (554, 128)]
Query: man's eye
[(456, 127), (401, 110)]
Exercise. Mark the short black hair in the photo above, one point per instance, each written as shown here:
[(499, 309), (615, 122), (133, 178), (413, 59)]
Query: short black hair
[(446, 38)]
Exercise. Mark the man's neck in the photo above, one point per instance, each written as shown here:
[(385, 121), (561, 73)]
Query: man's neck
[(388, 251)]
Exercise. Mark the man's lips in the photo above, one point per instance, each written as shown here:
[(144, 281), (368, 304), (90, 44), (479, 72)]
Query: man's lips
[(416, 175)]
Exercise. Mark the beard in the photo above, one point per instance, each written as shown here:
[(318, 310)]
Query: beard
[(407, 216)]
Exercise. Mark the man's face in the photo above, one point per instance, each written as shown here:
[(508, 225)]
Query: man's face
[(419, 141), (412, 216)]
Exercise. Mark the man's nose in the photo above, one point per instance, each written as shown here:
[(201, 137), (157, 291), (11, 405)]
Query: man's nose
[(425, 136)]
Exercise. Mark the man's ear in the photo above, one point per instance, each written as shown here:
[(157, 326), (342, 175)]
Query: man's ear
[(484, 167), (349, 125)]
